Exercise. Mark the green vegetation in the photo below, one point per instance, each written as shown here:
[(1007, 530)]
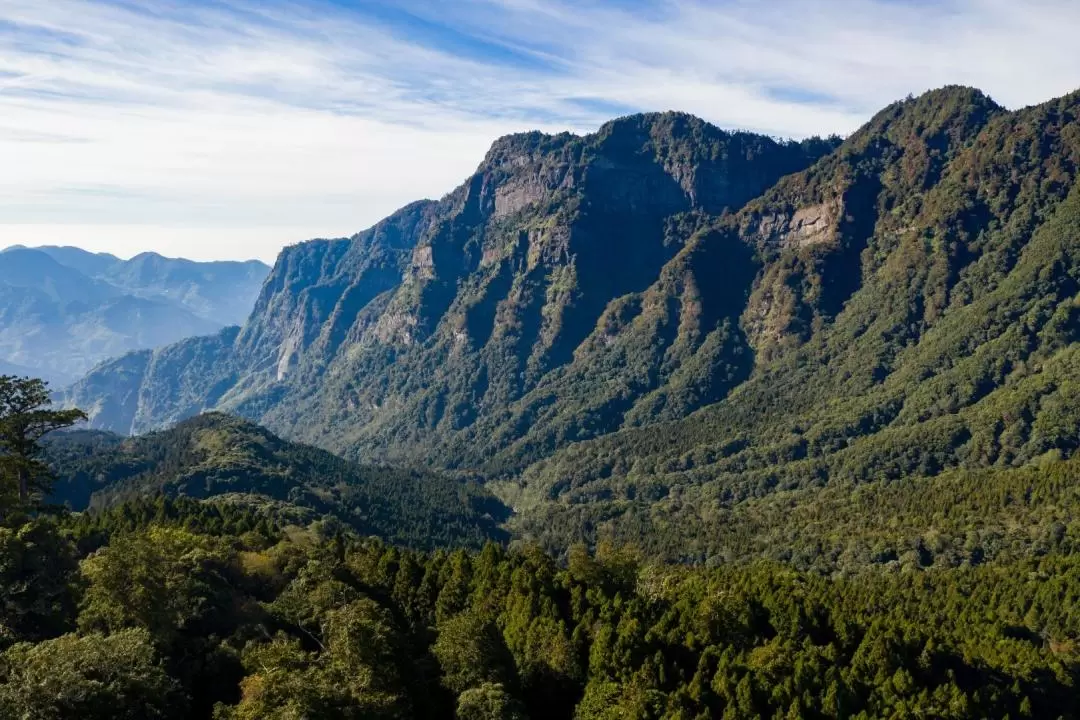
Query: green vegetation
[(789, 430), (638, 329), (952, 597), (24, 420), (171, 619), (214, 455)]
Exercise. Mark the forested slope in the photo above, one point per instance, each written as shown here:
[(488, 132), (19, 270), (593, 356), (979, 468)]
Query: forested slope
[(244, 620), (214, 455)]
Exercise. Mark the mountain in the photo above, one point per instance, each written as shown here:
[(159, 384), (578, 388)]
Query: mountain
[(220, 291), (466, 303), (954, 344), (633, 332), (91, 264), (215, 456), (63, 310), (58, 323), (25, 271)]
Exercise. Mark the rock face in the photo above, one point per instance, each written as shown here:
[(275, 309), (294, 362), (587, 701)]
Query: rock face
[(460, 319), (645, 325)]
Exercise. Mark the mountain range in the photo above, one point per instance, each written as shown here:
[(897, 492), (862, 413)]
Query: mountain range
[(635, 333), (63, 310)]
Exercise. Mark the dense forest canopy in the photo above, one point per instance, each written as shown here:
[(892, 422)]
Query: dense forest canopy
[(189, 609), (950, 597)]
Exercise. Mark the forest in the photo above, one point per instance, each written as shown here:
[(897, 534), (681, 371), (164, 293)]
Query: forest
[(162, 605), (186, 609)]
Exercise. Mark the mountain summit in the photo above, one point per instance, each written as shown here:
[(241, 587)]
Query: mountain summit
[(471, 303)]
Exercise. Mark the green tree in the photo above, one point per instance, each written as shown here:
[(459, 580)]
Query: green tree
[(95, 677), (37, 566), (166, 580), (490, 701), (471, 652), (25, 418)]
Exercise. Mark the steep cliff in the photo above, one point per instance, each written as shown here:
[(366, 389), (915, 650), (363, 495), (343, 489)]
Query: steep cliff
[(447, 318)]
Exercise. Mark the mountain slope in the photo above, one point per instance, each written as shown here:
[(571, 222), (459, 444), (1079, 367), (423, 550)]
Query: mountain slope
[(63, 310), (634, 331), (957, 349), (215, 455), (91, 264), (222, 292), (424, 328), (34, 271)]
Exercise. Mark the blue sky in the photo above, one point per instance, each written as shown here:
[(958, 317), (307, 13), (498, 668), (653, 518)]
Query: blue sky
[(228, 128)]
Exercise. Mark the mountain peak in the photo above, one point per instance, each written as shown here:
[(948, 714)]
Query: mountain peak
[(667, 122), (954, 110), (761, 306), (513, 148)]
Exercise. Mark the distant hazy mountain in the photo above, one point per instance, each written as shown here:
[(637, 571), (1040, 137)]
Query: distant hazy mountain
[(88, 263), (223, 292), (64, 310)]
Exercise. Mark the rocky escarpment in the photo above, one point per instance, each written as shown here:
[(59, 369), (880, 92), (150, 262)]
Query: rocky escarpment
[(438, 318)]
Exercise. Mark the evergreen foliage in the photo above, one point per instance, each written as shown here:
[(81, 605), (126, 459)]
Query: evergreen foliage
[(215, 455), (179, 623)]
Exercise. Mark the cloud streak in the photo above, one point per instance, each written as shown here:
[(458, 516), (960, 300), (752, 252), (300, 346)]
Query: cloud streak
[(227, 128)]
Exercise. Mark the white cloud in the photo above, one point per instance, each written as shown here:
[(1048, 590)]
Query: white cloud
[(219, 131)]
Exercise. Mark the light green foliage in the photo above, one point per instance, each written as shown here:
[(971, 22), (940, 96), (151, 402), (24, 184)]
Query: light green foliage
[(93, 677), (489, 702), (471, 653), (286, 683), (165, 580)]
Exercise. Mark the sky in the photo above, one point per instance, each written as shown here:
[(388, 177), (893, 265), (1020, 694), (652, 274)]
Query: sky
[(225, 129)]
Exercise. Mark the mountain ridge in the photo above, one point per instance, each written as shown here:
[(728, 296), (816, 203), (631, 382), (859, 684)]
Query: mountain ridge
[(63, 309), (498, 194), (214, 456), (649, 323)]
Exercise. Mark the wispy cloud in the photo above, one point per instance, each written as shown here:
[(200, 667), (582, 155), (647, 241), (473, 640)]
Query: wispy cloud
[(225, 128)]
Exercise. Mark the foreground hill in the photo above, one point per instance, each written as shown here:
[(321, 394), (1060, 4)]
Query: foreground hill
[(635, 331), (63, 310), (216, 455)]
